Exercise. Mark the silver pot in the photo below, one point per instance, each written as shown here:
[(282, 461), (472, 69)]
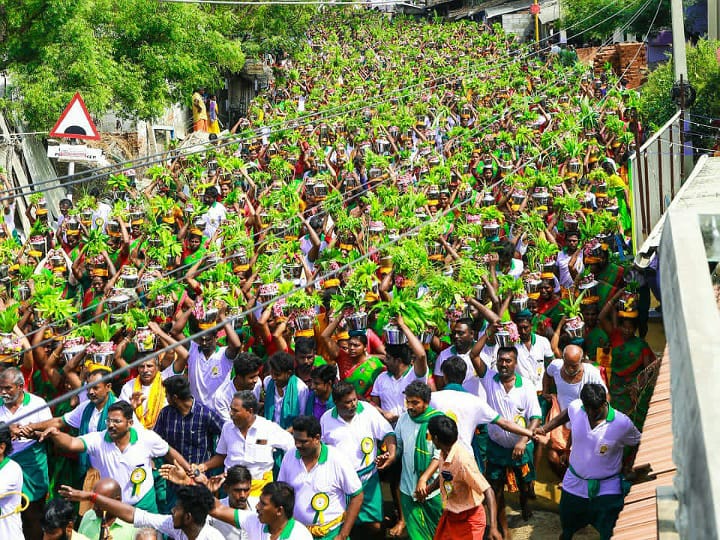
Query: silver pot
[(426, 337), (118, 304), (357, 321), (518, 304), (490, 230), (479, 292), (105, 358), (394, 335), (23, 290), (502, 339), (166, 308), (4, 269), (304, 322), (70, 352), (292, 270), (129, 280)]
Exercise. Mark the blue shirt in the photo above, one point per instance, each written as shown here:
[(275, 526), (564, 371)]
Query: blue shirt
[(194, 435)]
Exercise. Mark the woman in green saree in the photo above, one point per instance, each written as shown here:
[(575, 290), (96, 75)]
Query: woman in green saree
[(629, 356)]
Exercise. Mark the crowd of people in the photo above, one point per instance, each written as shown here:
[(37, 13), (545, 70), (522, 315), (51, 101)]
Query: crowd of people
[(392, 272)]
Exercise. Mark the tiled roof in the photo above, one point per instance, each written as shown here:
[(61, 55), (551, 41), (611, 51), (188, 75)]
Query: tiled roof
[(638, 520)]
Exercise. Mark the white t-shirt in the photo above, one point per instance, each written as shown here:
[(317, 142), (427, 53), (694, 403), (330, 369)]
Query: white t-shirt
[(567, 392), (467, 410), (164, 524), (519, 405), (207, 374), (255, 451), (224, 396), (215, 215), (597, 453), (333, 475), (303, 393), (356, 440), (250, 524), (449, 353), (74, 417), (390, 390), (231, 532), (132, 468), (11, 479), (531, 362), (33, 404)]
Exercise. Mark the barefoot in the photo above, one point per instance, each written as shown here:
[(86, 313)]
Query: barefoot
[(398, 530)]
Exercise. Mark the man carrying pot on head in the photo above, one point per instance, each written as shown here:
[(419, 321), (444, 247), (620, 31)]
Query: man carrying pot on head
[(509, 456), (208, 364), (146, 392), (463, 339), (569, 374)]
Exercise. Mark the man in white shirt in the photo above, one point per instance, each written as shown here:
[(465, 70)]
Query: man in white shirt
[(468, 411), (405, 363), (569, 261), (463, 339), (123, 453), (88, 417), (237, 486), (26, 452), (328, 491), (208, 364), (274, 517), (533, 353), (354, 428), (570, 374), (592, 491), (509, 456), (188, 519), (146, 392), (249, 440), (246, 368), (216, 212), (11, 484)]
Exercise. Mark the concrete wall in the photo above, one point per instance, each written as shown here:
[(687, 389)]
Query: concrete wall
[(520, 24), (691, 325)]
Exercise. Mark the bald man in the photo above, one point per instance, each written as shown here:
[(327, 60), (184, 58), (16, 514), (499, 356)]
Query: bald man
[(92, 521), (569, 374)]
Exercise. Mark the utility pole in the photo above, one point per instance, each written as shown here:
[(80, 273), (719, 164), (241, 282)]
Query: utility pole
[(682, 93)]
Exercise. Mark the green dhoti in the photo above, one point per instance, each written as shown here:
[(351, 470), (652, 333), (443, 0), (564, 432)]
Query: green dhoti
[(34, 465), (372, 506), (421, 518)]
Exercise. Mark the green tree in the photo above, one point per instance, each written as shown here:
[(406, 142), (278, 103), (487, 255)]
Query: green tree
[(596, 20), (132, 56), (656, 106)]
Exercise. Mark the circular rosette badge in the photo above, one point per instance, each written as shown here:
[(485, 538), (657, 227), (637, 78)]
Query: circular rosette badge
[(320, 503), (367, 445), (137, 477)]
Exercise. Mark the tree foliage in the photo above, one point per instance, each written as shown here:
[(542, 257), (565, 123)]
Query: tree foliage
[(657, 107), (134, 57), (596, 20)]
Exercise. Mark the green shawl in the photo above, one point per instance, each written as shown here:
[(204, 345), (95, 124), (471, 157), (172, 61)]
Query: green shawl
[(423, 455), (85, 427), (290, 402)]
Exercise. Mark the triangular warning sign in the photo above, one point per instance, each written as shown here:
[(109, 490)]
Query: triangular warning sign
[(75, 122)]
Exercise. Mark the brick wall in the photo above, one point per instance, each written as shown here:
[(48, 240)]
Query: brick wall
[(627, 59)]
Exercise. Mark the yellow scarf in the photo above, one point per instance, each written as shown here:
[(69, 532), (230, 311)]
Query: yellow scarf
[(155, 401)]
